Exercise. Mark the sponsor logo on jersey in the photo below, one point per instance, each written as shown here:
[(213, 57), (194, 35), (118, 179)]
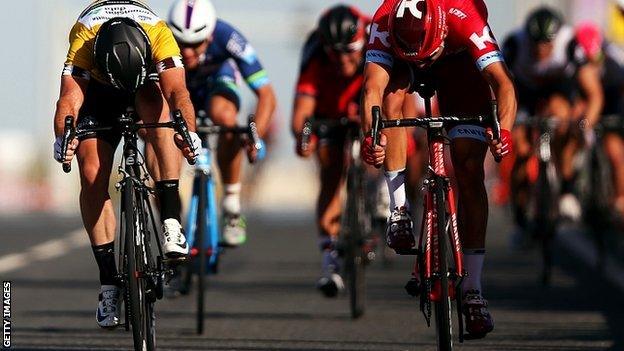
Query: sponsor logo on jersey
[(468, 131), (238, 46), (458, 13), (481, 40), (488, 59), (378, 34), (412, 6), (102, 14), (378, 56)]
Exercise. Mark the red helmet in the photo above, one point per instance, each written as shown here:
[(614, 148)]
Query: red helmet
[(417, 29)]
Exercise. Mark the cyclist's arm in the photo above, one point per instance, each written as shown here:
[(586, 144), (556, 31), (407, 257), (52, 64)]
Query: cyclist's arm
[(173, 85), (73, 90), (376, 79), (589, 81), (265, 108), (304, 108), (499, 79)]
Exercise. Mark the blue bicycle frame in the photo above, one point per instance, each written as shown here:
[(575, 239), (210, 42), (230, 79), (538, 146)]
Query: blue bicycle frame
[(204, 173)]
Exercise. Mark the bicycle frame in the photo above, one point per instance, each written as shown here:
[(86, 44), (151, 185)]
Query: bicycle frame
[(437, 188), (204, 175)]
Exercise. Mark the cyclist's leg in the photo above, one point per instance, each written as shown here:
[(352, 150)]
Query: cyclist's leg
[(614, 148), (152, 107), (329, 205), (567, 144), (399, 235), (95, 159), (468, 150), (223, 107), (331, 161)]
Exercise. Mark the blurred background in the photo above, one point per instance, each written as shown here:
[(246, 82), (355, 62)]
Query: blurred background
[(36, 43)]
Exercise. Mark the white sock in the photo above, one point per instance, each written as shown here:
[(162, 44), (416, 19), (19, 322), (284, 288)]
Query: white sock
[(473, 263), (396, 187), (231, 198)]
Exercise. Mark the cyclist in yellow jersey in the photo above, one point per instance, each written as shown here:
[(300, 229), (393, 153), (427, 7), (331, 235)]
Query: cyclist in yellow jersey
[(116, 49)]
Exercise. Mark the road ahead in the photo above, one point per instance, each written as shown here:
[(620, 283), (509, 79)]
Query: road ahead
[(264, 298)]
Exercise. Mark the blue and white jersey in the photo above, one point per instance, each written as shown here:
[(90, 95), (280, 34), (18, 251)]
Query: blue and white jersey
[(228, 54)]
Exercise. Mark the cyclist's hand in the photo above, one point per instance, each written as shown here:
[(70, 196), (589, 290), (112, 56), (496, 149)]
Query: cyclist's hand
[(374, 155), (190, 152), (71, 150), (255, 154), (309, 149), (503, 147)]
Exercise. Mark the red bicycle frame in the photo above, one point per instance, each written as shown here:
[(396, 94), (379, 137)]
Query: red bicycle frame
[(429, 230)]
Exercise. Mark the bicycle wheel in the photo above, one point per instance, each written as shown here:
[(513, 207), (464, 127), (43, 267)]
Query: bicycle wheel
[(201, 252), (354, 260), (442, 307), (546, 216), (141, 310)]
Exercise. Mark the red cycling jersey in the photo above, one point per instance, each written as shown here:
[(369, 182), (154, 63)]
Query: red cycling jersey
[(468, 30), (470, 47), (336, 96)]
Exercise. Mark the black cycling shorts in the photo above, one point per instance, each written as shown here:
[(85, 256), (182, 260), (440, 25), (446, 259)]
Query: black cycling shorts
[(103, 105)]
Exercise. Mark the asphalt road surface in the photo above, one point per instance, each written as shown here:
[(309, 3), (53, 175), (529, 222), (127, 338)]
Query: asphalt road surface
[(264, 298)]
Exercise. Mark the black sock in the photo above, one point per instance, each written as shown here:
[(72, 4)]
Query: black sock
[(105, 258), (169, 197)]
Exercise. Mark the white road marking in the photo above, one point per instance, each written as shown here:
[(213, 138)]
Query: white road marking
[(45, 251)]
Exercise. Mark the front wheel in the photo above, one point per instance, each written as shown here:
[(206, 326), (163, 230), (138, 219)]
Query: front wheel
[(442, 305), (141, 308)]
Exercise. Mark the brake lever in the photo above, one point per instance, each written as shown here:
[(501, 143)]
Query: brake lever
[(69, 133), (496, 127), (376, 127), (182, 128)]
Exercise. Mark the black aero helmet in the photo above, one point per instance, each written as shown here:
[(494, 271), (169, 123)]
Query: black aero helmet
[(341, 27), (123, 53), (543, 24)]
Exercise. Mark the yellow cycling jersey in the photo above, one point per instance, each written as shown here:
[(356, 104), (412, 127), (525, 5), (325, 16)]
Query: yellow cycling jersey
[(80, 59)]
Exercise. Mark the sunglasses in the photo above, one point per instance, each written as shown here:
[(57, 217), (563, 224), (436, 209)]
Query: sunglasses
[(190, 45), (345, 49)]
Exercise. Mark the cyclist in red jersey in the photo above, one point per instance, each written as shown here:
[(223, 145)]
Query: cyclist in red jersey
[(450, 41), (329, 86)]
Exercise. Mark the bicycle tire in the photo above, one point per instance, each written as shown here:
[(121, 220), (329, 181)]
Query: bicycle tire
[(546, 218), (200, 232), (141, 311), (354, 256), (442, 307)]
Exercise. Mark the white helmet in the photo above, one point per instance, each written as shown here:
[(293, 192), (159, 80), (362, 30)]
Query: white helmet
[(192, 21)]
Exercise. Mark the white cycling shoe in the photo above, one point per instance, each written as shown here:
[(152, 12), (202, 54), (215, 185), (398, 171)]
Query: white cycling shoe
[(109, 306), (234, 229), (174, 241)]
